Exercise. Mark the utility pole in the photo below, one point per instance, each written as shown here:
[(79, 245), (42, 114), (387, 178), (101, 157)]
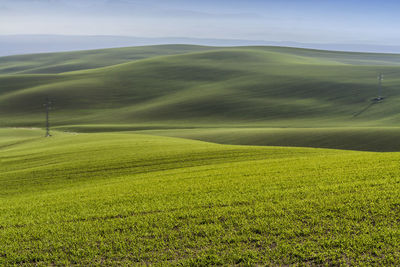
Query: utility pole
[(47, 105)]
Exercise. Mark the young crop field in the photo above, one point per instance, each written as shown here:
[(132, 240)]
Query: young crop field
[(126, 198), (130, 176)]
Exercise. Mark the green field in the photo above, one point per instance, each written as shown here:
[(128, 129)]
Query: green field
[(191, 155), (125, 198)]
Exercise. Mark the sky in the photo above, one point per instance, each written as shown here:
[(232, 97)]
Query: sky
[(307, 21)]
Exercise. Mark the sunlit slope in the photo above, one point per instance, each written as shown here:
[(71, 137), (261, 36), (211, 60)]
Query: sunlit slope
[(123, 199), (29, 159)]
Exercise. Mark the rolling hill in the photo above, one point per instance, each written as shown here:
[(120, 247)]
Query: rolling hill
[(175, 87)]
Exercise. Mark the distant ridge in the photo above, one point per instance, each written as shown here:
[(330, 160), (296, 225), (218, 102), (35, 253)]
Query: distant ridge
[(32, 44)]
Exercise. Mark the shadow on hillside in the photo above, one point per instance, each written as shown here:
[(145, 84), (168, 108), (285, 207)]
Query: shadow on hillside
[(364, 109)]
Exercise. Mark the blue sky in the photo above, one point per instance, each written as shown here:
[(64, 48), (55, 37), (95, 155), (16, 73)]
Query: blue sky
[(317, 21)]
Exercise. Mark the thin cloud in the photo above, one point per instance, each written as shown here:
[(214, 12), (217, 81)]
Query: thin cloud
[(308, 21)]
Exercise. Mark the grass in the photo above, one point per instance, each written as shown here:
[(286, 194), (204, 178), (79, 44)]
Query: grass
[(122, 183), (123, 198)]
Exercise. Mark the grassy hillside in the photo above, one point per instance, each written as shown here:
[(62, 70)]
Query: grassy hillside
[(123, 198), (175, 87), (249, 85)]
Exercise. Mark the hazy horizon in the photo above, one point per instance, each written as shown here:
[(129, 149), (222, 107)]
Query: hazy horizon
[(33, 44)]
